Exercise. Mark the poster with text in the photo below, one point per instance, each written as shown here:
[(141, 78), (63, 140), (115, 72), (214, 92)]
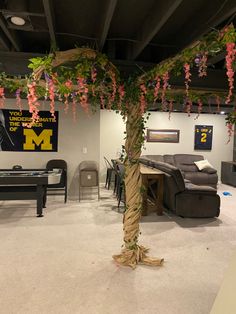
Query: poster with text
[(203, 137), (15, 136)]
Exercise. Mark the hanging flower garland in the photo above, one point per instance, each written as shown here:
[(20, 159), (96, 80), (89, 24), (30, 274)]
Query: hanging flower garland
[(201, 63), (2, 97), (51, 91), (121, 91), (94, 78), (165, 79), (157, 88), (143, 103), (33, 104), (187, 77), (230, 57)]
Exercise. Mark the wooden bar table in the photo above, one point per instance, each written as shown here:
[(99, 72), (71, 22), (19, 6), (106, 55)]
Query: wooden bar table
[(150, 176)]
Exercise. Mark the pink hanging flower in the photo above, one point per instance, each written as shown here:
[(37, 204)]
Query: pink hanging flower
[(68, 84), (83, 93), (157, 87), (2, 97), (113, 94), (143, 92), (199, 108), (202, 70), (230, 131), (18, 99), (165, 78), (230, 57), (188, 107), (94, 78), (33, 104), (187, 77), (121, 91), (51, 91), (93, 74)]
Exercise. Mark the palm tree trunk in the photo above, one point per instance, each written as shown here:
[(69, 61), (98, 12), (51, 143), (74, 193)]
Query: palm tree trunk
[(132, 254)]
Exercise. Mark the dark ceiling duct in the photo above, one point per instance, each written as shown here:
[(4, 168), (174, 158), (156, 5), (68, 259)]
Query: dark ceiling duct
[(17, 6)]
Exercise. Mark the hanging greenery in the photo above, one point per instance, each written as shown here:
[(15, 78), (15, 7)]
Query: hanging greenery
[(82, 76)]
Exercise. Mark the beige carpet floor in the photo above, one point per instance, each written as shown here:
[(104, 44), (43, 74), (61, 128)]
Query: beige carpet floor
[(62, 263)]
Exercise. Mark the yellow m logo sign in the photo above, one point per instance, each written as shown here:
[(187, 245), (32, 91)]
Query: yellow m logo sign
[(43, 139)]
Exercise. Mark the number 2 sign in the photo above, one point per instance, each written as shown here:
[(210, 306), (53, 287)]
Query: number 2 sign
[(203, 137)]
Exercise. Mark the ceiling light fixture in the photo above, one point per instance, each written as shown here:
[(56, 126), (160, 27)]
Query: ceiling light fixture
[(17, 20)]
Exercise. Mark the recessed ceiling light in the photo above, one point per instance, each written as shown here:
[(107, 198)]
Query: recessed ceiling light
[(17, 20)]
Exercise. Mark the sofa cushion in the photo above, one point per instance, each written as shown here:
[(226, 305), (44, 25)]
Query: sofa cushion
[(185, 162), (169, 159), (203, 164), (201, 178)]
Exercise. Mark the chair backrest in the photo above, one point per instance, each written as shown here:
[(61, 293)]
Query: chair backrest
[(88, 165), (59, 164), (107, 162), (56, 163)]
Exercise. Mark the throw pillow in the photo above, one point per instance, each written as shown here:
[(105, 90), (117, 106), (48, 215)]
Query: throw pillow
[(203, 164)]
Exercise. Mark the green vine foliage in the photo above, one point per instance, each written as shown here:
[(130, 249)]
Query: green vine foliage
[(108, 81)]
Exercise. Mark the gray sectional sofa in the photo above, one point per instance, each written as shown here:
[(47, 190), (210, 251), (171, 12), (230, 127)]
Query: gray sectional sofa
[(185, 162), (184, 194)]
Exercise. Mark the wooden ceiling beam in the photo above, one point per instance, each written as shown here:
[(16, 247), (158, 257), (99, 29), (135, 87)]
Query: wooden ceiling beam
[(106, 21), (154, 22), (197, 27), (47, 4)]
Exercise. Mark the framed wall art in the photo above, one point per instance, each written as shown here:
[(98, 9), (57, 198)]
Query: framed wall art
[(203, 137), (164, 136)]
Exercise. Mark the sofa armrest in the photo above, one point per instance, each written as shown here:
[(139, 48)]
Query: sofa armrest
[(193, 188), (209, 170)]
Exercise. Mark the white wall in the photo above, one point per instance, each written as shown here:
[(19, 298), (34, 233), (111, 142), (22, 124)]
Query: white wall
[(112, 128), (72, 138), (112, 137)]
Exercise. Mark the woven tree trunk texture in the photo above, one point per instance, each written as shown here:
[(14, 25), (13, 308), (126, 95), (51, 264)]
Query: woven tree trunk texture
[(133, 254)]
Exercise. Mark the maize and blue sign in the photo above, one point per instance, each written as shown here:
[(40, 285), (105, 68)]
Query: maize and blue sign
[(14, 136)]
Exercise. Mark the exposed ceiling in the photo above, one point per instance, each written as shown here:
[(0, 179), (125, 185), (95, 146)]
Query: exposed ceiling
[(135, 34)]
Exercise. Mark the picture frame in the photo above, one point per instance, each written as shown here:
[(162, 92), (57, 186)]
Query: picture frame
[(163, 135)]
